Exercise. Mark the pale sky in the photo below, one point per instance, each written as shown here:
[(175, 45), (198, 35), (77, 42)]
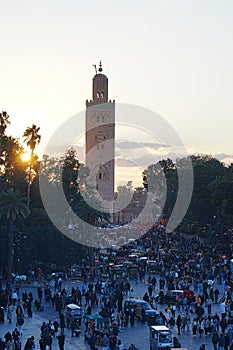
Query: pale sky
[(174, 57)]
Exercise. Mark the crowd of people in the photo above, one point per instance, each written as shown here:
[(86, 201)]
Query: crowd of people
[(183, 263)]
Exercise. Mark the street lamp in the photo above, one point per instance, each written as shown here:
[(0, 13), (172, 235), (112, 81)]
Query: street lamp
[(19, 236)]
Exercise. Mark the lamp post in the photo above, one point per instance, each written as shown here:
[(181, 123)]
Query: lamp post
[(210, 229), (91, 263), (19, 236)]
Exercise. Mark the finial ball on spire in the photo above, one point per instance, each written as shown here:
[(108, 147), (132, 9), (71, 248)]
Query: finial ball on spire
[(100, 67)]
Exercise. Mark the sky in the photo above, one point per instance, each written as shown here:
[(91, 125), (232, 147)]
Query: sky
[(173, 57)]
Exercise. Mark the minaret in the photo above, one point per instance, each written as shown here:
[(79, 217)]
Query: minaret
[(100, 139)]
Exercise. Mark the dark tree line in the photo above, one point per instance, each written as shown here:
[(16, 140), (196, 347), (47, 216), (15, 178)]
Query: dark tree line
[(210, 212), (27, 236)]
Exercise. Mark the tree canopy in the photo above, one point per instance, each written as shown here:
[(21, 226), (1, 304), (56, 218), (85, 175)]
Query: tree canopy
[(212, 198), (210, 211)]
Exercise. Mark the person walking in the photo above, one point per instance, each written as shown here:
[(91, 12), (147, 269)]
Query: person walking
[(119, 346), (216, 294), (42, 343), (92, 342), (14, 297), (28, 345), (62, 322), (168, 311), (183, 321), (174, 310), (146, 297), (194, 327), (215, 339), (171, 322), (139, 312), (19, 311), (16, 337), (10, 345), (187, 321), (132, 317), (221, 341), (209, 305), (2, 344), (48, 341), (178, 323), (10, 310), (19, 324), (226, 341), (33, 345), (201, 326), (223, 324), (230, 332), (1, 314), (61, 341)]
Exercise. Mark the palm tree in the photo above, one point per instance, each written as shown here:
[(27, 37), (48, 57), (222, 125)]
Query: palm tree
[(32, 138), (12, 205), (4, 122)]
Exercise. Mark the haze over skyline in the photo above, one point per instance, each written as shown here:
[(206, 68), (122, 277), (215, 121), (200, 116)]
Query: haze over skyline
[(173, 57)]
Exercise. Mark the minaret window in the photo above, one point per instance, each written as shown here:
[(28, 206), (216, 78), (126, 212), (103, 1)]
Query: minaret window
[(102, 94), (97, 94)]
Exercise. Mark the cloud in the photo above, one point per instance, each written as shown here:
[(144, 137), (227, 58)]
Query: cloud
[(134, 144), (148, 159), (121, 162), (225, 158), (139, 154), (142, 161)]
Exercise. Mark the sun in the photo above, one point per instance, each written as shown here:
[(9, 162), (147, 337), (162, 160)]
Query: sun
[(25, 156)]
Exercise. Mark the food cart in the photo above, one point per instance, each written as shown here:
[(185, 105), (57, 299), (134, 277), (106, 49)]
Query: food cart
[(73, 312), (161, 337), (132, 271)]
